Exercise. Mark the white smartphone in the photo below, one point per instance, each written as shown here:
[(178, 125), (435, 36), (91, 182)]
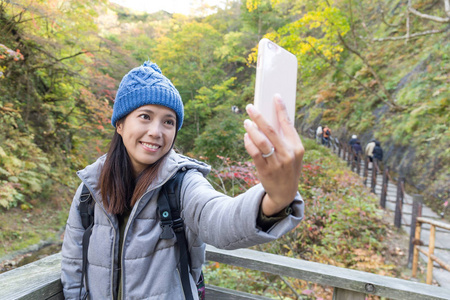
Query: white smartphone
[(276, 73)]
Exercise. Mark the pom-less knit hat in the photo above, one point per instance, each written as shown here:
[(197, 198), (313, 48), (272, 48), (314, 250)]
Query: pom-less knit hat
[(146, 85)]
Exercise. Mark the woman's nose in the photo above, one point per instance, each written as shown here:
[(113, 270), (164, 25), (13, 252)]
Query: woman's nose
[(154, 130)]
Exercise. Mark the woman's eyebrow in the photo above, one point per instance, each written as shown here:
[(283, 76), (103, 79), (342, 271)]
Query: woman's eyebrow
[(149, 111)]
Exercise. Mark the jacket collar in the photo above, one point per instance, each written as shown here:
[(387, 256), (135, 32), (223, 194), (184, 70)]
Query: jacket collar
[(171, 165)]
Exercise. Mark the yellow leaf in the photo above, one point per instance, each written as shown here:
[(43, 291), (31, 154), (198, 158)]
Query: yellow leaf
[(2, 152)]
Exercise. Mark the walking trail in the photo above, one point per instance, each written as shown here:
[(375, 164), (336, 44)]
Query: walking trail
[(442, 240)]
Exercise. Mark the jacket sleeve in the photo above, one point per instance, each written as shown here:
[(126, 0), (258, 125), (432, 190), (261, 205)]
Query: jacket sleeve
[(230, 223), (71, 261)]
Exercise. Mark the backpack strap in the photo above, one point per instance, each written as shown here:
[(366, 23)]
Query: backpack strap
[(171, 222), (87, 220)]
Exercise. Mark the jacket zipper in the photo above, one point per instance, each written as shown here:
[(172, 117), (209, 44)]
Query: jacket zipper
[(127, 226)]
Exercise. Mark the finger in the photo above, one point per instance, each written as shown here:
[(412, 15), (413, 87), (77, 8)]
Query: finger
[(258, 138), (267, 129), (254, 151), (286, 124)]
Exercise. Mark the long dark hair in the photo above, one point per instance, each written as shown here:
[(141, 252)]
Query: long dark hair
[(119, 188)]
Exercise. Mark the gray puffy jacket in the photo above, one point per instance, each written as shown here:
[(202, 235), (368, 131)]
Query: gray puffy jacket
[(149, 264)]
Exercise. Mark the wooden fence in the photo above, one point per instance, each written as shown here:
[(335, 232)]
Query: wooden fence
[(430, 251), (41, 279), (346, 152)]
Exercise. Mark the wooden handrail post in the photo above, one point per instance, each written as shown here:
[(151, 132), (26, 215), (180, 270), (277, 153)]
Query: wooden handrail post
[(358, 161), (416, 212), (352, 158), (416, 250), (366, 169), (349, 155), (374, 175), (399, 203), (430, 253), (344, 149), (339, 149), (384, 188)]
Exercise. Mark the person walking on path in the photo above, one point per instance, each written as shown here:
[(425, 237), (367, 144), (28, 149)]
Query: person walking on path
[(326, 136), (357, 149), (353, 140), (378, 151), (369, 149), (126, 257), (319, 133)]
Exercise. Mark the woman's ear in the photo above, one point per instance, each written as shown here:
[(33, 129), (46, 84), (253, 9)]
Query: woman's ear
[(119, 128)]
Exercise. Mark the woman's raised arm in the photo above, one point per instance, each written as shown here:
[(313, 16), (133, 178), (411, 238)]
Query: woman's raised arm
[(277, 156)]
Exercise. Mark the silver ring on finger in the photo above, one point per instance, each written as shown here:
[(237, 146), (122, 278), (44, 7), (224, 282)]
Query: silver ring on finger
[(272, 151)]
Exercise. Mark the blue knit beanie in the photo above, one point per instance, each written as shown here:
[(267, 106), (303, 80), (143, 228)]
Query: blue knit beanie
[(146, 85)]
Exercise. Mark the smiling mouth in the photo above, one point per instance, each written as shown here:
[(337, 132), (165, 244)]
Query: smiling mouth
[(151, 146)]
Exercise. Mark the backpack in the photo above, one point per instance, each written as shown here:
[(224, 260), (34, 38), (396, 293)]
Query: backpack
[(171, 223)]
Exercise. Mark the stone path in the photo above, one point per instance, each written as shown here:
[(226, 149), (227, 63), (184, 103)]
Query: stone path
[(442, 240)]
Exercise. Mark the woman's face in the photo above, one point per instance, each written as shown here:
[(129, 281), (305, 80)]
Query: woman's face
[(147, 133)]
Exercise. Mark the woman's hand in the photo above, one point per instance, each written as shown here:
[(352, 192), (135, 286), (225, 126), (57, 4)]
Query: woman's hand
[(277, 156)]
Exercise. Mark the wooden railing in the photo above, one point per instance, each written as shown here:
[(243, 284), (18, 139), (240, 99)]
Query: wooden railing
[(41, 279), (430, 251), (414, 247), (346, 152)]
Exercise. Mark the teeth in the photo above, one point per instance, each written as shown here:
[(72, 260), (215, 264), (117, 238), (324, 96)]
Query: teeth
[(150, 146)]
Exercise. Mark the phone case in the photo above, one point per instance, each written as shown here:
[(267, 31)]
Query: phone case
[(276, 73)]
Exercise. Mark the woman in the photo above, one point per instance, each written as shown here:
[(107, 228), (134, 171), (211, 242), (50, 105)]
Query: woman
[(127, 259)]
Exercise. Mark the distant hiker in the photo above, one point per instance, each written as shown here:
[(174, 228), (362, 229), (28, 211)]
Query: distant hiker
[(369, 149), (134, 250), (326, 136), (235, 109), (353, 140), (378, 151), (357, 149), (319, 133)]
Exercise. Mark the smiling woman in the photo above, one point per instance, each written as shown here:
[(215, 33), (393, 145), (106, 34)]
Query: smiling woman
[(133, 252)]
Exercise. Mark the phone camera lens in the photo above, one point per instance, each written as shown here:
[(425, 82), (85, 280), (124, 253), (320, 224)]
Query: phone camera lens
[(270, 46)]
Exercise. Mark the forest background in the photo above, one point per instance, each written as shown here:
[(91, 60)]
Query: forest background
[(378, 69)]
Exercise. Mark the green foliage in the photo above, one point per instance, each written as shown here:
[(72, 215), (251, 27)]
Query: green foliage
[(206, 105), (233, 49), (24, 167), (186, 56), (414, 72), (224, 136), (313, 37), (50, 95), (220, 275), (21, 239)]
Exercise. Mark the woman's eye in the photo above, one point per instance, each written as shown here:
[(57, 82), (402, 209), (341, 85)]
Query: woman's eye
[(170, 122), (144, 116)]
